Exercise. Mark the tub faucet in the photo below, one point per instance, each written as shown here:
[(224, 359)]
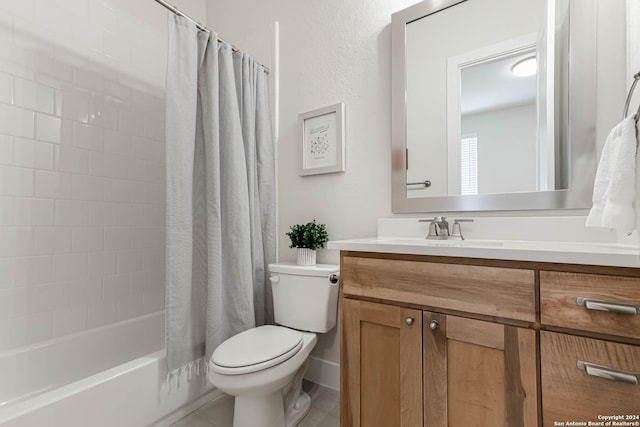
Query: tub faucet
[(438, 228)]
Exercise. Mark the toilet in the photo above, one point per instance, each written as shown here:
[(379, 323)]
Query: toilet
[(263, 367)]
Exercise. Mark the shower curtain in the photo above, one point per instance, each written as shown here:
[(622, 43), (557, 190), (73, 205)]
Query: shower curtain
[(220, 217)]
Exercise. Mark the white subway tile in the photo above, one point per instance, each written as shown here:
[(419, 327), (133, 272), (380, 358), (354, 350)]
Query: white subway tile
[(89, 239), (52, 240), (153, 172), (143, 148), (117, 90), (145, 192), (66, 132), (147, 237), (116, 286), (86, 187), (153, 258), (102, 313), (6, 88), (75, 105), (16, 181), (105, 214), (117, 190), (154, 126), (51, 297), (32, 96), (70, 267), (22, 331), (116, 142), (116, 238), (15, 302), (32, 270), (85, 292), (129, 215), (6, 211), (48, 128), (71, 212), (117, 47), (52, 185), (89, 137), (16, 242), (130, 306), (103, 112), (6, 149), (131, 121), (129, 260), (7, 273), (16, 121), (50, 16), (21, 8), (143, 281), (32, 154), (69, 321), (33, 212), (102, 263), (71, 159), (153, 301), (54, 68), (154, 215), (88, 79), (16, 60), (102, 16)]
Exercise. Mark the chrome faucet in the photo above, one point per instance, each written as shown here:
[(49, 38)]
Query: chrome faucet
[(439, 228)]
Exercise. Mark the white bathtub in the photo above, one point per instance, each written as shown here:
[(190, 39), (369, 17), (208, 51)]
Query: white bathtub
[(55, 384)]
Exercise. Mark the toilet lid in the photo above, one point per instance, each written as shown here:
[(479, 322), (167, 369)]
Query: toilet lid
[(256, 349)]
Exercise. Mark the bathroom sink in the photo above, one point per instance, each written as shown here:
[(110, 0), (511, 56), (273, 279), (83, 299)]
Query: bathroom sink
[(446, 243)]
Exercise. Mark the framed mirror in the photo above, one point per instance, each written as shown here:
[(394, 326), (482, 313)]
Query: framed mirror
[(493, 105)]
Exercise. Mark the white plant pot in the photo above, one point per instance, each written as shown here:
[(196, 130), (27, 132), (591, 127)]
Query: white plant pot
[(306, 256)]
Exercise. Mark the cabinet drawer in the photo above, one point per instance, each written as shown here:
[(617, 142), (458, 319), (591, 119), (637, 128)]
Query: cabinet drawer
[(492, 291), (570, 394), (559, 293)]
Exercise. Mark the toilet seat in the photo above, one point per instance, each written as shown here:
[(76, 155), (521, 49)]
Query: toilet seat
[(256, 349)]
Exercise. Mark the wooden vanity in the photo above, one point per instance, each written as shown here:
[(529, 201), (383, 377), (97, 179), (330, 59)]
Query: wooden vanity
[(440, 341)]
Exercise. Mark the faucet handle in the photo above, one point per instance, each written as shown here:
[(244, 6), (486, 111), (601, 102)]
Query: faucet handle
[(456, 232), (427, 219)]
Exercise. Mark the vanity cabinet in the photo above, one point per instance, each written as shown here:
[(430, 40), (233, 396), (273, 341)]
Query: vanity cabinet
[(446, 342)]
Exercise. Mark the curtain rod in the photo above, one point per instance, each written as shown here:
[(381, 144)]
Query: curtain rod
[(201, 27)]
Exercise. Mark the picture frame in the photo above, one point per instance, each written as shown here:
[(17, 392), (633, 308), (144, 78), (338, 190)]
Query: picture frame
[(321, 149)]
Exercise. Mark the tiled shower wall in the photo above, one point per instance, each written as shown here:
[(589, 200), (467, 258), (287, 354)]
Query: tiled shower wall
[(81, 165)]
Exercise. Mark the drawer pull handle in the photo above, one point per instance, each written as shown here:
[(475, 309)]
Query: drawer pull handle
[(609, 373), (613, 307)]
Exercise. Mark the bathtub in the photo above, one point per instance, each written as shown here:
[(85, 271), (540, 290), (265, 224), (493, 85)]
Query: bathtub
[(80, 381)]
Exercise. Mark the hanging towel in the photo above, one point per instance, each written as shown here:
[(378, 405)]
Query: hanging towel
[(614, 190)]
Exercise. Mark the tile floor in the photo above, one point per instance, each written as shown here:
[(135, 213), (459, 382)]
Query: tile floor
[(325, 410)]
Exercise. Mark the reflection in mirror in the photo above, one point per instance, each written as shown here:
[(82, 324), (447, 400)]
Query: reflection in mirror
[(540, 159)]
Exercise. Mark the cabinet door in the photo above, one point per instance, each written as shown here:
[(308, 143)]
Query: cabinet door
[(478, 373), (381, 365)]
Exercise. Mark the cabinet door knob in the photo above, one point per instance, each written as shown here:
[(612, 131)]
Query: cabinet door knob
[(409, 320), (433, 325)]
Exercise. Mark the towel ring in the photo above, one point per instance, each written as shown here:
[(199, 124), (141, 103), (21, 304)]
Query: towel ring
[(636, 77)]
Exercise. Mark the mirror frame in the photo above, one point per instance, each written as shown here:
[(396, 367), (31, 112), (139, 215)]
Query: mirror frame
[(582, 122)]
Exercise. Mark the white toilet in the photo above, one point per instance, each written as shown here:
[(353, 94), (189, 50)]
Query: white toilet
[(263, 367)]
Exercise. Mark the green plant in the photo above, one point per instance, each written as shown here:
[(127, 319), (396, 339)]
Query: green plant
[(310, 235)]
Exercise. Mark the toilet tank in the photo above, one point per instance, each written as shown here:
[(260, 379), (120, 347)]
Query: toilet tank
[(303, 296)]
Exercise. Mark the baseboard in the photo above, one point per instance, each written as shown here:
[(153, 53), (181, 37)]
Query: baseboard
[(324, 373), (185, 410)]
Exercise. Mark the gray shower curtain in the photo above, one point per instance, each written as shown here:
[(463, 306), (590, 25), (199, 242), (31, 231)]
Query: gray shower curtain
[(220, 216)]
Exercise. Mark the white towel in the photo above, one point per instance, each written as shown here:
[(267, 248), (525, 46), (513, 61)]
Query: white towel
[(614, 189)]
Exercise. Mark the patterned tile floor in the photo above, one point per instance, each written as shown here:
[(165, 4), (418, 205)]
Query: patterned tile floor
[(325, 410)]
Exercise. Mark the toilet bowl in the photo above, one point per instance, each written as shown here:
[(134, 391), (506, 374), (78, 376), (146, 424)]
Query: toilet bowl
[(263, 367)]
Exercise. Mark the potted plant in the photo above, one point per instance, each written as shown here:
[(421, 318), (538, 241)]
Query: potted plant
[(308, 238)]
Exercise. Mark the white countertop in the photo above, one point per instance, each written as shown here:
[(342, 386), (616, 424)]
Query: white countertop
[(611, 254)]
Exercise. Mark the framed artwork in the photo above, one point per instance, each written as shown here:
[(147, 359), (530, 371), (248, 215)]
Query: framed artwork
[(322, 140)]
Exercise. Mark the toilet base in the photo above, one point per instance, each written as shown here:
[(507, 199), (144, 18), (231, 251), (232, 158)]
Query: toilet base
[(299, 410)]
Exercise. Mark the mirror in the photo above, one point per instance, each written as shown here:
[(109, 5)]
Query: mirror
[(481, 96)]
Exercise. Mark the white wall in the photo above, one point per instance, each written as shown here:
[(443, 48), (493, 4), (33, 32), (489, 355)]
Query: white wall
[(334, 51), (81, 164), (506, 148)]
